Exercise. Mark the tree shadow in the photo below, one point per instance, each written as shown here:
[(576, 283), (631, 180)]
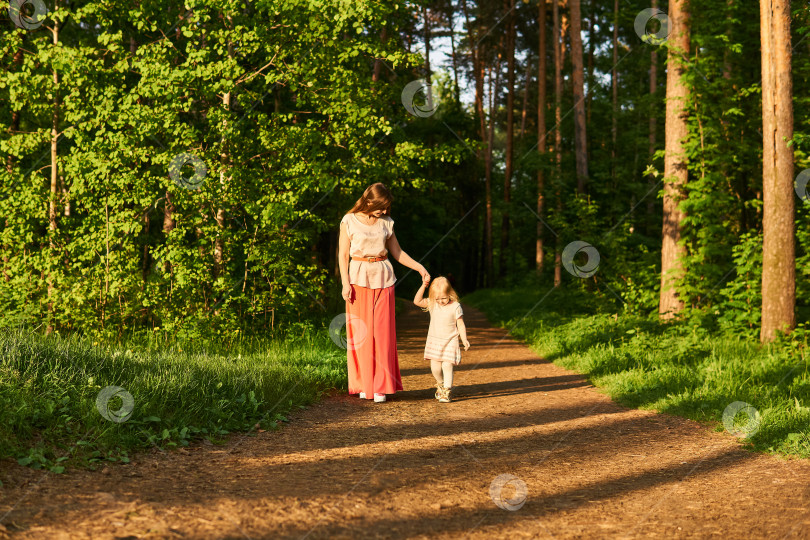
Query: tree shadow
[(465, 520), (480, 365)]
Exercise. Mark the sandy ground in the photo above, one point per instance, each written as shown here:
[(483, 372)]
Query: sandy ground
[(580, 465)]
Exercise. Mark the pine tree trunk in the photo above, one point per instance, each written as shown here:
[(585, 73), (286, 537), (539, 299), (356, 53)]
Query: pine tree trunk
[(614, 82), (580, 130), (427, 57), (778, 243), (494, 90), (488, 186), (541, 132), (479, 72), (453, 56), (591, 25), (526, 80), (559, 36), (510, 137), (675, 161)]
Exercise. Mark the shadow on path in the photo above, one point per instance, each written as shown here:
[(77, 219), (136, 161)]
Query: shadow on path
[(412, 467)]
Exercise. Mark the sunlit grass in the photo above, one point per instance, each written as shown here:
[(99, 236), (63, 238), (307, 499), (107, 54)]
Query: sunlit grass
[(673, 367), (188, 390)]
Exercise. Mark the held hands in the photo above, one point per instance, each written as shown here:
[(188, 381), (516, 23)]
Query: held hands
[(425, 275), (347, 292)]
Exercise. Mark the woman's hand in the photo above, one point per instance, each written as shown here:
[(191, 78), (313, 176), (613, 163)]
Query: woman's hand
[(347, 291), (425, 275)]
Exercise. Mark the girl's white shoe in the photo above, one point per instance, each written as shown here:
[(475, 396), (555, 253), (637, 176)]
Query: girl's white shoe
[(379, 398), (362, 395)]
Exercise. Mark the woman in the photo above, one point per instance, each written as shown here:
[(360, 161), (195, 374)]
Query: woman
[(366, 239)]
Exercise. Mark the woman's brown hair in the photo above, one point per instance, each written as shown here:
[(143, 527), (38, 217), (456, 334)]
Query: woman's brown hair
[(375, 197)]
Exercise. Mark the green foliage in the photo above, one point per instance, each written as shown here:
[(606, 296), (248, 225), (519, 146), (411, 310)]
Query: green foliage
[(276, 99), (182, 391), (740, 310)]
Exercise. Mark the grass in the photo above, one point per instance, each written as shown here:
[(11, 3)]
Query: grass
[(181, 392), (676, 367)]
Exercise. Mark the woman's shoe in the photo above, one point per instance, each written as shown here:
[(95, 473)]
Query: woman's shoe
[(379, 398), (362, 395), (439, 388), (445, 395)]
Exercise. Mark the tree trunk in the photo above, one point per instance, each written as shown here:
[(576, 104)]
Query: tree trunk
[(510, 137), (541, 132), (778, 243), (478, 70), (614, 82), (225, 163), (653, 126), (427, 57), (591, 25), (526, 80), (453, 56), (494, 90), (675, 161), (559, 35), (375, 76), (54, 189), (580, 130), (493, 101), (168, 219), (14, 126)]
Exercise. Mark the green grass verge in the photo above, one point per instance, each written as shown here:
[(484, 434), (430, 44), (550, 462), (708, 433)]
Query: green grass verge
[(677, 368), (186, 391)]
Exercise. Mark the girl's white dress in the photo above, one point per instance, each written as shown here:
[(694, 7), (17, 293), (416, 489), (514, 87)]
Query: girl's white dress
[(442, 341)]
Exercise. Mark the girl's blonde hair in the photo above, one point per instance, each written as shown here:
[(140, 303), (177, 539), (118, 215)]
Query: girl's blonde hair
[(439, 287), (375, 197)]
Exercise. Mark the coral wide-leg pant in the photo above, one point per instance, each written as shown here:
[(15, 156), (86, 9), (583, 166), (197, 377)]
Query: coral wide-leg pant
[(372, 342)]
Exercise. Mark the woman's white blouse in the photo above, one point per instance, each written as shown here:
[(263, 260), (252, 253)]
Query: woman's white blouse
[(369, 241)]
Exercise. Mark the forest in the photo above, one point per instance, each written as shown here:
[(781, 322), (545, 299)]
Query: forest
[(183, 167), (617, 190)]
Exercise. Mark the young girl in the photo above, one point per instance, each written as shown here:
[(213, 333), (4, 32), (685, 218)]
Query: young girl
[(446, 326)]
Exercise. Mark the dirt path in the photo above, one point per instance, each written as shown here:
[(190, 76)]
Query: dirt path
[(414, 468)]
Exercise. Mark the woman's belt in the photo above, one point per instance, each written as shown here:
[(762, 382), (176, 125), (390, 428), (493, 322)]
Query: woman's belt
[(369, 259)]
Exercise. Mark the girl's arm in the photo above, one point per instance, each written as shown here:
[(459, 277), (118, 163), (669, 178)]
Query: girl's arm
[(404, 259), (462, 332), (419, 300), (343, 261)]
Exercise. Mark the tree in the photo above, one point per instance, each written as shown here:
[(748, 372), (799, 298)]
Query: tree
[(54, 189), (614, 83), (578, 78), (652, 122), (541, 130), (477, 53), (510, 135), (778, 244), (560, 26), (675, 160)]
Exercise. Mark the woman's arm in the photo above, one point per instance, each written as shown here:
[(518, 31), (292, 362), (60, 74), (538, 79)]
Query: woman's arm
[(343, 261), (419, 300), (462, 332), (404, 259)]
